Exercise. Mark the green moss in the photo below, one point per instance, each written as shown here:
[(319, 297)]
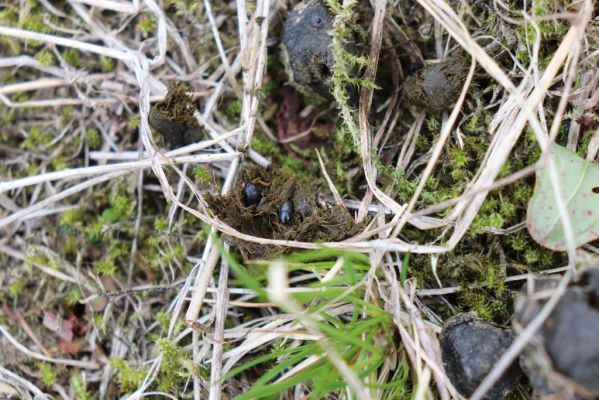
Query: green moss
[(58, 163), (129, 378), (147, 25), (176, 367), (71, 217), (72, 56), (134, 122), (73, 296), (33, 23), (16, 288), (79, 388), (583, 147), (93, 138), (121, 207), (47, 372), (161, 224), (9, 15), (107, 64), (36, 139), (263, 144), (105, 268), (45, 57), (13, 45), (459, 157), (232, 108), (202, 174)]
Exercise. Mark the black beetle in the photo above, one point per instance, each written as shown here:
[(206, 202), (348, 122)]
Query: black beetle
[(285, 212), (251, 195)]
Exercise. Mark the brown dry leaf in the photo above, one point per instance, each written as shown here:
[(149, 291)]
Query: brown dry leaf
[(63, 328), (290, 124)]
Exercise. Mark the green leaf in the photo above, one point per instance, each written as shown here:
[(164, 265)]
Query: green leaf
[(579, 181)]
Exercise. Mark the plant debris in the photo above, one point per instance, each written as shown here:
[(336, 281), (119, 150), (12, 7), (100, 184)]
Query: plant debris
[(293, 129), (470, 349), (437, 87), (563, 358), (287, 209), (173, 117)]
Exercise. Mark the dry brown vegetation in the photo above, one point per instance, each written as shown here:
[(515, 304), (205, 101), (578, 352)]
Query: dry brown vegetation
[(119, 278)]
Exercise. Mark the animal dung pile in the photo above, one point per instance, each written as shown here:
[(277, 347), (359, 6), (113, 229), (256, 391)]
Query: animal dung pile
[(566, 346), (470, 348), (307, 47), (270, 204), (173, 117), (436, 87)]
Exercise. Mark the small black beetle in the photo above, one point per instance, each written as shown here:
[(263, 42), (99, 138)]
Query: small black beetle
[(251, 195), (285, 212)]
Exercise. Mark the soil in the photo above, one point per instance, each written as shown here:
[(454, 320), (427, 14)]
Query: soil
[(173, 117), (310, 220)]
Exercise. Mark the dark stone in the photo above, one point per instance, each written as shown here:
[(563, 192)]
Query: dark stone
[(567, 342), (589, 279), (307, 47), (470, 349)]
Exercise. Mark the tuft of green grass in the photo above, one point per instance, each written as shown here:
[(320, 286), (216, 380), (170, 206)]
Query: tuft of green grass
[(352, 336)]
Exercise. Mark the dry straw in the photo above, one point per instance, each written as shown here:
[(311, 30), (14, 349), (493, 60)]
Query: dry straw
[(522, 105)]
